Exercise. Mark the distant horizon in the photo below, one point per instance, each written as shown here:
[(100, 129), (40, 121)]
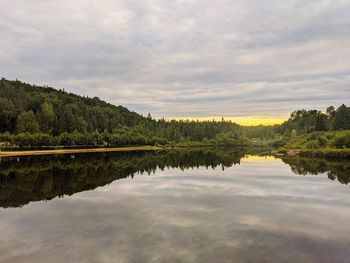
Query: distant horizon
[(241, 120)]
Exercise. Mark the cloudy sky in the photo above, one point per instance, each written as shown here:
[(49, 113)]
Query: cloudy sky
[(190, 58)]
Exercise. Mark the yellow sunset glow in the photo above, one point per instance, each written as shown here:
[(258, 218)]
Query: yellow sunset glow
[(257, 158), (244, 121)]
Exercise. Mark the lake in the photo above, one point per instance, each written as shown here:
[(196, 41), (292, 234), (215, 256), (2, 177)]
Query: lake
[(194, 205)]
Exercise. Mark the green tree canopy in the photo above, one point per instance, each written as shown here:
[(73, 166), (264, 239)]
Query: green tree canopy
[(26, 122)]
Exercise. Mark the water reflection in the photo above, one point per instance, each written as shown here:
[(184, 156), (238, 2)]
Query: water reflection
[(257, 211), (27, 179), (43, 178), (336, 170)]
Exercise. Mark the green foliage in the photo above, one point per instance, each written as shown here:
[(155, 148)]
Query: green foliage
[(46, 117), (316, 141), (260, 131), (341, 140), (231, 139), (28, 112), (71, 120), (342, 118), (57, 111), (303, 121), (26, 122)]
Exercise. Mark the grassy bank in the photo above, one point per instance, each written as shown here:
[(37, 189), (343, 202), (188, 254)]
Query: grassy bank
[(334, 144)]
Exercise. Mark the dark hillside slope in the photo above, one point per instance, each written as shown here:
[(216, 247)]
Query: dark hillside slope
[(31, 108)]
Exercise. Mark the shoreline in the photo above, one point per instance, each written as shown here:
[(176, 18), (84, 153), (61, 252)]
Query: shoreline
[(280, 153), (316, 153), (77, 151)]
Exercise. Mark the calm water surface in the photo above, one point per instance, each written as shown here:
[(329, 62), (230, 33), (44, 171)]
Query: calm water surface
[(193, 206)]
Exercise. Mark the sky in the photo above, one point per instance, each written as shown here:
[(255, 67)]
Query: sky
[(240, 59)]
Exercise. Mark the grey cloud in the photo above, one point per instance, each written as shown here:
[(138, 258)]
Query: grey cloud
[(184, 58)]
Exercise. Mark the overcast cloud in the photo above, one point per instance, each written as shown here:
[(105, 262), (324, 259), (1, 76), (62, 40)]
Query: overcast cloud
[(187, 58)]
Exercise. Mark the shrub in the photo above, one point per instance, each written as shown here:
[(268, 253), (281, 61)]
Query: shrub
[(341, 140)]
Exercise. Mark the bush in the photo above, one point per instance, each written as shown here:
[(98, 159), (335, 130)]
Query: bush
[(341, 141)]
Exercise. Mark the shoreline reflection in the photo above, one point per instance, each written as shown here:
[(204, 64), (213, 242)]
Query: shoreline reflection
[(39, 178)]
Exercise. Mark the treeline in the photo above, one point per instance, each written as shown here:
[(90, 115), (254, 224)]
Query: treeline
[(313, 133), (42, 116), (124, 136), (304, 121), (261, 131), (31, 115)]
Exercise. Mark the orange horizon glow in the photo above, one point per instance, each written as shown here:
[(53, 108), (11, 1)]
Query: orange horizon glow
[(244, 121)]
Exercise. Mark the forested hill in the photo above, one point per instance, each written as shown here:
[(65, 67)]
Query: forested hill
[(41, 116), (33, 109)]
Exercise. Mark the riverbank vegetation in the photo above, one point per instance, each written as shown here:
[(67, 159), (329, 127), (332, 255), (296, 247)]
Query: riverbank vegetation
[(331, 144), (313, 133), (33, 117), (308, 133)]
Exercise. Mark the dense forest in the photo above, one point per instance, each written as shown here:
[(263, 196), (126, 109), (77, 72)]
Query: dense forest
[(303, 121), (40, 116), (33, 116), (29, 108)]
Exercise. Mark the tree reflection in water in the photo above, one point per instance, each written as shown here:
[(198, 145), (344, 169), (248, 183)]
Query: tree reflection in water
[(37, 178), (336, 170)]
